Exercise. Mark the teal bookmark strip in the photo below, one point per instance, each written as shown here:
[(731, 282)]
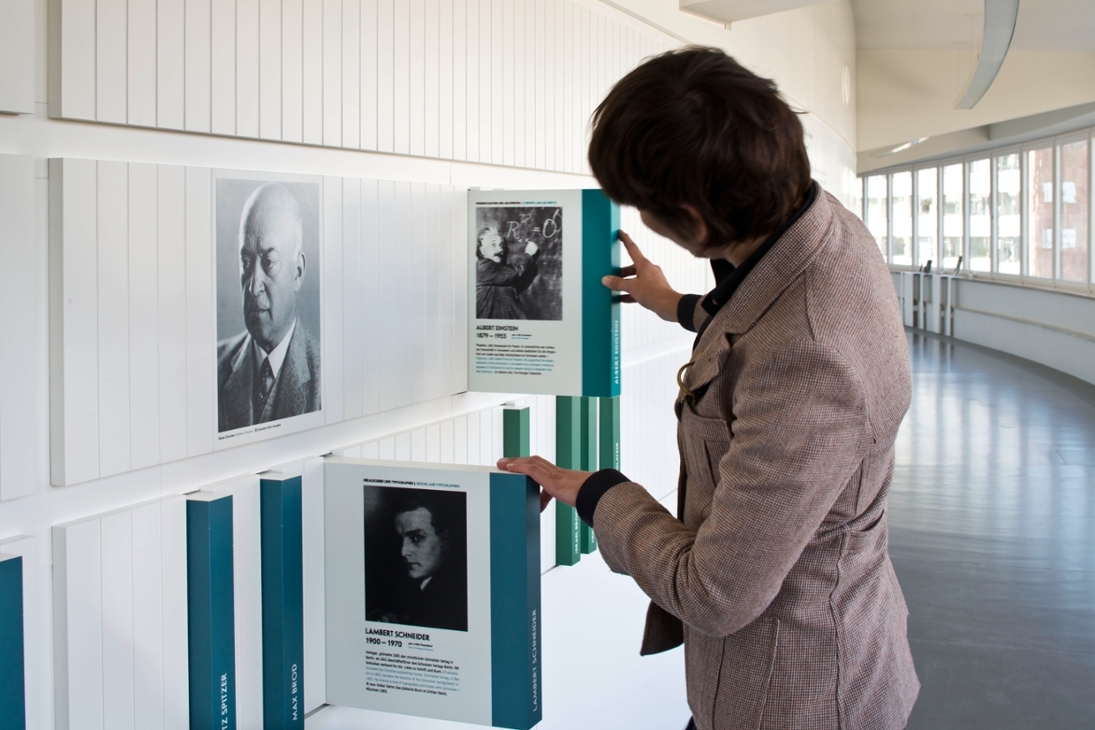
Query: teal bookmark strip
[(600, 312), (211, 614), (282, 603), (515, 433), (516, 646), (13, 710), (587, 538), (568, 455)]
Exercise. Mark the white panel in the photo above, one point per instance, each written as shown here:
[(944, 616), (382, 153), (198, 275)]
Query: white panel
[(140, 62), (72, 67), (201, 417), (370, 296), (247, 585), (367, 81), (171, 312), (270, 69), (198, 55), (433, 443), (486, 437), (351, 73), (315, 641), (513, 20), (496, 101), (313, 72), (445, 80), (460, 306), (223, 80), (534, 84), (569, 83), (111, 74), (474, 432), (388, 291), (385, 75), (144, 368), (332, 72), (403, 447), (148, 609), (418, 445), (292, 70), (472, 80), (436, 267), (74, 341), (247, 68), (459, 80), (483, 89), (113, 321), (386, 448), (117, 567), (333, 309), (17, 36), (497, 432), (402, 69), (176, 682), (370, 450), (447, 439), (431, 90), (446, 320), (351, 297), (414, 285), (460, 441), (550, 95), (78, 627), (170, 73), (19, 362)]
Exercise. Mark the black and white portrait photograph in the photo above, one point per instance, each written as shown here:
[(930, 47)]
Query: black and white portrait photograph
[(416, 557), (519, 262), (268, 301)]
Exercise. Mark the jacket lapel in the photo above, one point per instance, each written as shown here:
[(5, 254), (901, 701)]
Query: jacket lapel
[(290, 398), (240, 386)]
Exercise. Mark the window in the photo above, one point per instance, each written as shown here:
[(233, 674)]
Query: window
[(902, 218), (877, 216), (953, 219), (1040, 213), (1008, 203), (927, 189), (1074, 200), (980, 206)]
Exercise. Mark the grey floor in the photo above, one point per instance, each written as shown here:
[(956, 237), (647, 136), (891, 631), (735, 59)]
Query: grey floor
[(992, 534)]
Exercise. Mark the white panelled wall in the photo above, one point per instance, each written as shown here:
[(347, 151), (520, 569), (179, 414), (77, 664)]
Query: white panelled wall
[(126, 107)]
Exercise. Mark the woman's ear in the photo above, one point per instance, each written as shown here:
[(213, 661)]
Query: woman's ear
[(699, 225)]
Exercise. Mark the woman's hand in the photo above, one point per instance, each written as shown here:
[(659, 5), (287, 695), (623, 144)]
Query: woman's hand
[(563, 484), (643, 282), (531, 248)]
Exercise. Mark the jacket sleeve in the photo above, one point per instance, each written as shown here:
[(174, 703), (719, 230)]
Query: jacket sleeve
[(800, 430), (505, 274)]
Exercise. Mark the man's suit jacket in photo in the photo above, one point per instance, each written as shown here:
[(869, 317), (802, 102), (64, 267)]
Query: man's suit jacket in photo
[(295, 391)]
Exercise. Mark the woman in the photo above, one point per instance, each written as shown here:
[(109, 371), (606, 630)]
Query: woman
[(774, 573)]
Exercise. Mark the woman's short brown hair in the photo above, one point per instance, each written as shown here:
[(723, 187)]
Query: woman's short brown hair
[(693, 126)]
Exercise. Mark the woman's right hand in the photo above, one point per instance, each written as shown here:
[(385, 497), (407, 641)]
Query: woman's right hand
[(644, 283)]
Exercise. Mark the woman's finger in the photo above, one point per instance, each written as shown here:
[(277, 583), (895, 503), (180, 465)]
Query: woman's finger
[(626, 272), (627, 299), (632, 248)]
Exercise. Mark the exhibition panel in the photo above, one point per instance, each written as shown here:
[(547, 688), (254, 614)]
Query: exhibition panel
[(120, 619), (17, 42), (156, 322), (501, 83), (13, 712), (19, 361)]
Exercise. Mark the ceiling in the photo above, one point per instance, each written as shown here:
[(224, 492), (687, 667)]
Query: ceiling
[(1043, 25)]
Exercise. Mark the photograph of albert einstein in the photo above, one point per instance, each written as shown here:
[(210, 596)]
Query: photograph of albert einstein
[(268, 301), (416, 567), (518, 262)]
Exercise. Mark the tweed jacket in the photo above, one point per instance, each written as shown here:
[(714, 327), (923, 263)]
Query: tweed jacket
[(775, 571), (296, 390)]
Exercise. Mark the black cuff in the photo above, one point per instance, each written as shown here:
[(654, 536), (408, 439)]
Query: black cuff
[(593, 489), (686, 311)]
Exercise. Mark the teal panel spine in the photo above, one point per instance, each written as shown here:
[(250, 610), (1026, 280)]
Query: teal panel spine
[(516, 646), (568, 455), (282, 603), (600, 311), (13, 710), (515, 433), (587, 538), (211, 614)]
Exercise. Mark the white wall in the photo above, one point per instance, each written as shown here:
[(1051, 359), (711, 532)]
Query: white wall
[(235, 86)]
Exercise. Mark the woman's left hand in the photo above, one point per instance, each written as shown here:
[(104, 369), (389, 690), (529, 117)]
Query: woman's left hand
[(563, 484)]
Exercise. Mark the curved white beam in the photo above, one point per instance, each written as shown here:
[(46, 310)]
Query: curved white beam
[(1000, 16)]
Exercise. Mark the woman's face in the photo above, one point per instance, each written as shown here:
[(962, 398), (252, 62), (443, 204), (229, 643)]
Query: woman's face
[(490, 245), (423, 549)]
